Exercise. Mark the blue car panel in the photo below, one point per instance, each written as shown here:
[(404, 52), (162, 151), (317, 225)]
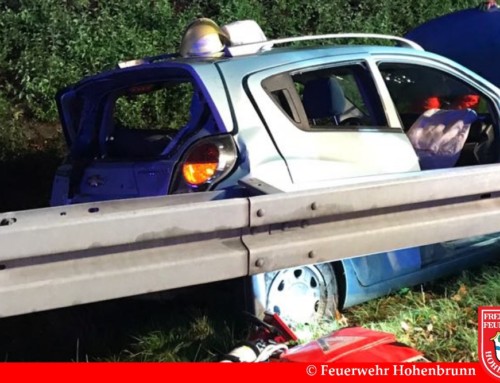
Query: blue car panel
[(375, 268)]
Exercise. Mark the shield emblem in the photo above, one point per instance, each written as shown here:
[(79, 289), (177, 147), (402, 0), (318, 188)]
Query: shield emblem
[(489, 339)]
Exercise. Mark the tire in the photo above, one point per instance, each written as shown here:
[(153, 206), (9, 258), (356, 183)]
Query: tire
[(305, 294)]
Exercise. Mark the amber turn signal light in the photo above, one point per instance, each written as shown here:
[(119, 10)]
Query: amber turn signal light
[(201, 164)]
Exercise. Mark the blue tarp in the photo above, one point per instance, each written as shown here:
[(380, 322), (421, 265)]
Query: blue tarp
[(470, 37)]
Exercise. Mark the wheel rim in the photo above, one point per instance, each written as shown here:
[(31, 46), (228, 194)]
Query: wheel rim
[(303, 294)]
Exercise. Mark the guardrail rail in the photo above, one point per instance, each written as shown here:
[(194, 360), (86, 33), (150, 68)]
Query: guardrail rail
[(70, 255)]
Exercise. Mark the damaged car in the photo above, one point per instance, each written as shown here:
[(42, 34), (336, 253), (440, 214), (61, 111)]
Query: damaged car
[(236, 105)]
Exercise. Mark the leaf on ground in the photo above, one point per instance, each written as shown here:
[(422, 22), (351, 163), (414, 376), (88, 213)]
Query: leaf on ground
[(341, 319), (405, 326), (462, 291), (469, 310)]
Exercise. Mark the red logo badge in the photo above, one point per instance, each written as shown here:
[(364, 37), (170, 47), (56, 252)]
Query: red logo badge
[(489, 339)]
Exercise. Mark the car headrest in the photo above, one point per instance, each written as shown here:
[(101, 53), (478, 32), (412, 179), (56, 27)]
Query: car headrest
[(323, 97)]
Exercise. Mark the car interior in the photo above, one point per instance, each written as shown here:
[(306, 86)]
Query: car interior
[(127, 140), (417, 89)]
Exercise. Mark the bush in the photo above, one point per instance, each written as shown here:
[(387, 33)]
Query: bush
[(51, 44), (48, 44)]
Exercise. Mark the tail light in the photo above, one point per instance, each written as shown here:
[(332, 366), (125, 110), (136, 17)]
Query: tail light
[(207, 162), (201, 164)]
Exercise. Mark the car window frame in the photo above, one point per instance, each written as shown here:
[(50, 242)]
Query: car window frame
[(323, 63), (492, 94)]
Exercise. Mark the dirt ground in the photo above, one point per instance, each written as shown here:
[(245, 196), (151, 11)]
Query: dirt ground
[(26, 175)]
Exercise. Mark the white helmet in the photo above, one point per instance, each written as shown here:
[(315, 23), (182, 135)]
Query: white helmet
[(204, 38)]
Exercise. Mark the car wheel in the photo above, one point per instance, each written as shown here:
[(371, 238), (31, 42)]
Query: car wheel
[(305, 294)]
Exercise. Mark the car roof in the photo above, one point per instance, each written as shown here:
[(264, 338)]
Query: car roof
[(279, 56), (262, 58), (162, 67)]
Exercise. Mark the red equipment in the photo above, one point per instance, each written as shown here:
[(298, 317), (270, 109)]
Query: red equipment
[(353, 344), (348, 345)]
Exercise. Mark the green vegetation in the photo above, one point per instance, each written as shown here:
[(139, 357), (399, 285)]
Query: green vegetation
[(439, 319), (194, 324), (46, 45)]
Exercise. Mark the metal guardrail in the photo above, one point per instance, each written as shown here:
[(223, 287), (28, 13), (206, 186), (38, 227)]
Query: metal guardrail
[(84, 253)]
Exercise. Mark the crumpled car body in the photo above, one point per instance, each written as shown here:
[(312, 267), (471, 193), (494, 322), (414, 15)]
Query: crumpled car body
[(294, 118)]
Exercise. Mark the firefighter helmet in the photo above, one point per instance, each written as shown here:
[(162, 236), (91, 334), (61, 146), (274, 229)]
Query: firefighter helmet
[(204, 38)]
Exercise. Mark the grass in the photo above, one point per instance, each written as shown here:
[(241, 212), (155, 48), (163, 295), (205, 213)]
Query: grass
[(200, 339), (195, 324), (439, 319), (202, 323)]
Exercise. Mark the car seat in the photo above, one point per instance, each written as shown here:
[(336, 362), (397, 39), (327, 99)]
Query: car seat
[(480, 144), (323, 98)]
